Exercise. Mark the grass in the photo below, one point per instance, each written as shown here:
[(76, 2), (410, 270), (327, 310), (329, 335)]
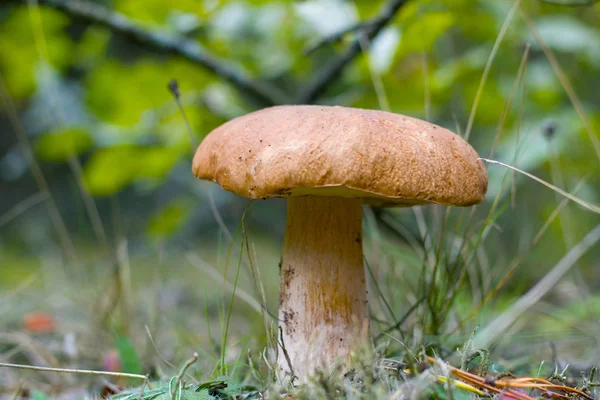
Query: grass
[(434, 310), (433, 274)]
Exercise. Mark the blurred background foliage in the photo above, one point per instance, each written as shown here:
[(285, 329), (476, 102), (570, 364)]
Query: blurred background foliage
[(112, 144)]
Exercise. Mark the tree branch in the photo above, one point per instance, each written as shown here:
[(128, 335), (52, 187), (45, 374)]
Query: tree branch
[(331, 71), (337, 36), (575, 3), (169, 44)]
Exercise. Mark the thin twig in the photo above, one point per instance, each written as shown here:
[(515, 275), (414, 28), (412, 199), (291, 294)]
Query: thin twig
[(339, 35), (325, 77), (168, 43), (575, 3)]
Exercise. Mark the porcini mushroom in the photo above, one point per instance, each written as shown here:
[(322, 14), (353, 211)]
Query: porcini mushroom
[(328, 161)]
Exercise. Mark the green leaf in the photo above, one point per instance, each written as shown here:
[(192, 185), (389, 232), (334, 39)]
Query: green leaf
[(421, 33), (157, 161), (19, 55), (368, 9), (168, 220), (121, 94), (92, 45), (111, 169), (59, 145), (129, 357), (477, 25)]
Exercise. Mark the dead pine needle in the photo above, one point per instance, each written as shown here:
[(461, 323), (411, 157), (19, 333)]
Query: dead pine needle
[(509, 387)]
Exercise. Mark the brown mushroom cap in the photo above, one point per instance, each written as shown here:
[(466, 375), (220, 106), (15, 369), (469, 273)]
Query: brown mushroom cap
[(385, 158)]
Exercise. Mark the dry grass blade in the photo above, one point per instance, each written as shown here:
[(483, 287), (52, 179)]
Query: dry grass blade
[(519, 80), (72, 161), (18, 289), (76, 371), (22, 207), (564, 81), (583, 203), (197, 262), (488, 66), (498, 326), (517, 261), (382, 98), (38, 175)]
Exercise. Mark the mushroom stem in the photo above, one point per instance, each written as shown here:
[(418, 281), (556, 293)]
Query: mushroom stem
[(323, 298)]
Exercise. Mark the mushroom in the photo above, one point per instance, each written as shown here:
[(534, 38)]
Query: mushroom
[(328, 161)]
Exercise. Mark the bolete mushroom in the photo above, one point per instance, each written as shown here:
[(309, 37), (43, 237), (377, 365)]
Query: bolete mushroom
[(328, 161)]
